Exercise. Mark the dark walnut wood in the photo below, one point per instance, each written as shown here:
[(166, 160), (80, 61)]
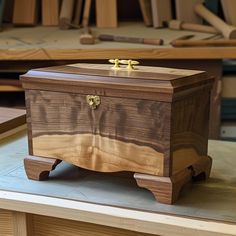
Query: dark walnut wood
[(38, 168), (151, 121)]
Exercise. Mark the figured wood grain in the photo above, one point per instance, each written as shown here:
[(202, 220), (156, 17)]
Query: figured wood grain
[(190, 129), (25, 12), (108, 133), (165, 189), (48, 226), (6, 224), (22, 224), (106, 13), (98, 153)]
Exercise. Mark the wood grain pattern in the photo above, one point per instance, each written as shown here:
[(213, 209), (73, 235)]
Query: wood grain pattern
[(45, 226), (167, 189), (6, 224), (38, 168), (190, 129), (22, 224), (109, 130), (11, 118), (50, 12), (98, 153), (106, 13), (25, 12)]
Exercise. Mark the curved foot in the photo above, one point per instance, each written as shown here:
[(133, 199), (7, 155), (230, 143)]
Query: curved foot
[(202, 168), (38, 168), (165, 189)]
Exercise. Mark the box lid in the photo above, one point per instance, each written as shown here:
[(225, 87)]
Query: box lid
[(159, 80)]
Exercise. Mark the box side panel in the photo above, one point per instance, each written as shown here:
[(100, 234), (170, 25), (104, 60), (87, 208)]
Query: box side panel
[(190, 127), (28, 121), (120, 135)]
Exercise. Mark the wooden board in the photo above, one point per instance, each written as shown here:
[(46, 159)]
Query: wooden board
[(86, 13), (161, 12), (6, 223), (185, 11), (229, 8), (146, 9), (78, 12), (50, 12), (25, 12), (11, 119), (106, 13), (66, 14)]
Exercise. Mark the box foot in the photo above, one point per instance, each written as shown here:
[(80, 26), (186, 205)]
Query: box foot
[(38, 168), (167, 189)]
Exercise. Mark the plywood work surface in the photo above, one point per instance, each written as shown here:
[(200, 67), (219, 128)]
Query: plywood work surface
[(211, 200), (51, 43)]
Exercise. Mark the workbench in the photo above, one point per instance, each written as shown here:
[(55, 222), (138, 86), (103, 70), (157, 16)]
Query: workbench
[(27, 48), (75, 201)]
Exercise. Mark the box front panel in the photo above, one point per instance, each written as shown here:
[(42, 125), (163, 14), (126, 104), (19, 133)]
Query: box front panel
[(119, 135)]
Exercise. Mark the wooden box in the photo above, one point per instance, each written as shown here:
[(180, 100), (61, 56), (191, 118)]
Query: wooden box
[(151, 121)]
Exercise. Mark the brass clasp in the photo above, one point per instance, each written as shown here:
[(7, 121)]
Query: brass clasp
[(93, 101)]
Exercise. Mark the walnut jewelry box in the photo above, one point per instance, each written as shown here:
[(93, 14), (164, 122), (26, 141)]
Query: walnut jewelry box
[(148, 120)]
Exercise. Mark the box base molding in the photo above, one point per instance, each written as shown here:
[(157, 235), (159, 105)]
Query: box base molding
[(167, 189)]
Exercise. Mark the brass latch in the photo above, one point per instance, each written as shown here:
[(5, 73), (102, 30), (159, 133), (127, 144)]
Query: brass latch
[(93, 101)]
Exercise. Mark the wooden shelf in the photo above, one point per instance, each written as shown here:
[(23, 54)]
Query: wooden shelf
[(51, 43)]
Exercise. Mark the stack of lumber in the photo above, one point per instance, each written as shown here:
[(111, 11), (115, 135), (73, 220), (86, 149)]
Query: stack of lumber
[(11, 121)]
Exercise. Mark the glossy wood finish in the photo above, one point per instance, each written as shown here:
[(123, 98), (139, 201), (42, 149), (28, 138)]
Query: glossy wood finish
[(167, 189), (163, 133), (38, 168)]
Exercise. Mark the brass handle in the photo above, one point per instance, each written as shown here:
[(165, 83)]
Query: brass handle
[(116, 63), (130, 64), (93, 101)]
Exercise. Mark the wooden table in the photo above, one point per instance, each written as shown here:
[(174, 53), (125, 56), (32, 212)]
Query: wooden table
[(80, 202), (28, 48)]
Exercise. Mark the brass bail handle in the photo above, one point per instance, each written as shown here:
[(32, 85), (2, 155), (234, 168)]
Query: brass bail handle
[(93, 101), (130, 63)]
